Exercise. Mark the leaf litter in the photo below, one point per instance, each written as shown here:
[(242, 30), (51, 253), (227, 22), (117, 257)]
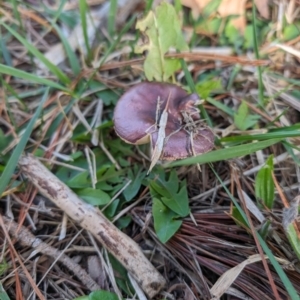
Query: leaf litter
[(212, 251)]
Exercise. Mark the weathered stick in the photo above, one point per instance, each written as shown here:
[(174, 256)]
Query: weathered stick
[(91, 219), (26, 238)]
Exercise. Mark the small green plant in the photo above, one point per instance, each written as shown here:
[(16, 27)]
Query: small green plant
[(170, 204), (264, 184)]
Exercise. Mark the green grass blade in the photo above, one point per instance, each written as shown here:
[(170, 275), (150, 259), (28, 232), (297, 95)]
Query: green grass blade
[(285, 280), (83, 9), (31, 77), (73, 60), (260, 81), (54, 69), (224, 154), (261, 137), (13, 161), (111, 21)]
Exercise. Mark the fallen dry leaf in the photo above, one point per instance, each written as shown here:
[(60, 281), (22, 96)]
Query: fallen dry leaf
[(262, 7), (229, 8)]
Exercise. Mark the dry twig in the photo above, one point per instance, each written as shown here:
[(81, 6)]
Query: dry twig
[(91, 219)]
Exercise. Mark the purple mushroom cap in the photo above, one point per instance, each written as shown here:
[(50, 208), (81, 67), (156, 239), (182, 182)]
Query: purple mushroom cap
[(137, 114)]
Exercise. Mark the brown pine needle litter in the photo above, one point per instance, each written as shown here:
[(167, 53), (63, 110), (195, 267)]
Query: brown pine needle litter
[(79, 216)]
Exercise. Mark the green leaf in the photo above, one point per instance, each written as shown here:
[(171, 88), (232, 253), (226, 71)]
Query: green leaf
[(264, 184), (249, 39), (211, 7), (224, 154), (291, 31), (293, 238), (242, 119), (163, 30), (238, 218), (14, 158), (3, 294), (80, 180), (209, 26), (103, 295), (94, 196), (136, 176), (289, 221), (172, 194), (99, 295), (205, 88), (165, 224)]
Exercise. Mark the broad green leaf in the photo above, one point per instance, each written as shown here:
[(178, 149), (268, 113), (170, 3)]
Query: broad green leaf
[(123, 222), (165, 224), (3, 294), (249, 39), (264, 184), (103, 295), (290, 31), (136, 176), (172, 194), (206, 87), (94, 196), (80, 180), (224, 154), (110, 211), (99, 295), (242, 119), (163, 30)]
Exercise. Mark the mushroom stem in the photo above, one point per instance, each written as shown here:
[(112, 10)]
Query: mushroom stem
[(90, 218)]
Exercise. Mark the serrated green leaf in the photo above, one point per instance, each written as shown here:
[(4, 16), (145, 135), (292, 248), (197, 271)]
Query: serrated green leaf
[(172, 194), (242, 119), (94, 196), (264, 184), (164, 31), (165, 224)]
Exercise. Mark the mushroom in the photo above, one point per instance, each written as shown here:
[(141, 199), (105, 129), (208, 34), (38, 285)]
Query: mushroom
[(137, 120)]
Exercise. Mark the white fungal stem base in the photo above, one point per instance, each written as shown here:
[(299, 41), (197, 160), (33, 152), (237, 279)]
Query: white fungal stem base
[(91, 219)]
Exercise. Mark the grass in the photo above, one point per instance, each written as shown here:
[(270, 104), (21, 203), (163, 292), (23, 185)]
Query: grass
[(63, 114)]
